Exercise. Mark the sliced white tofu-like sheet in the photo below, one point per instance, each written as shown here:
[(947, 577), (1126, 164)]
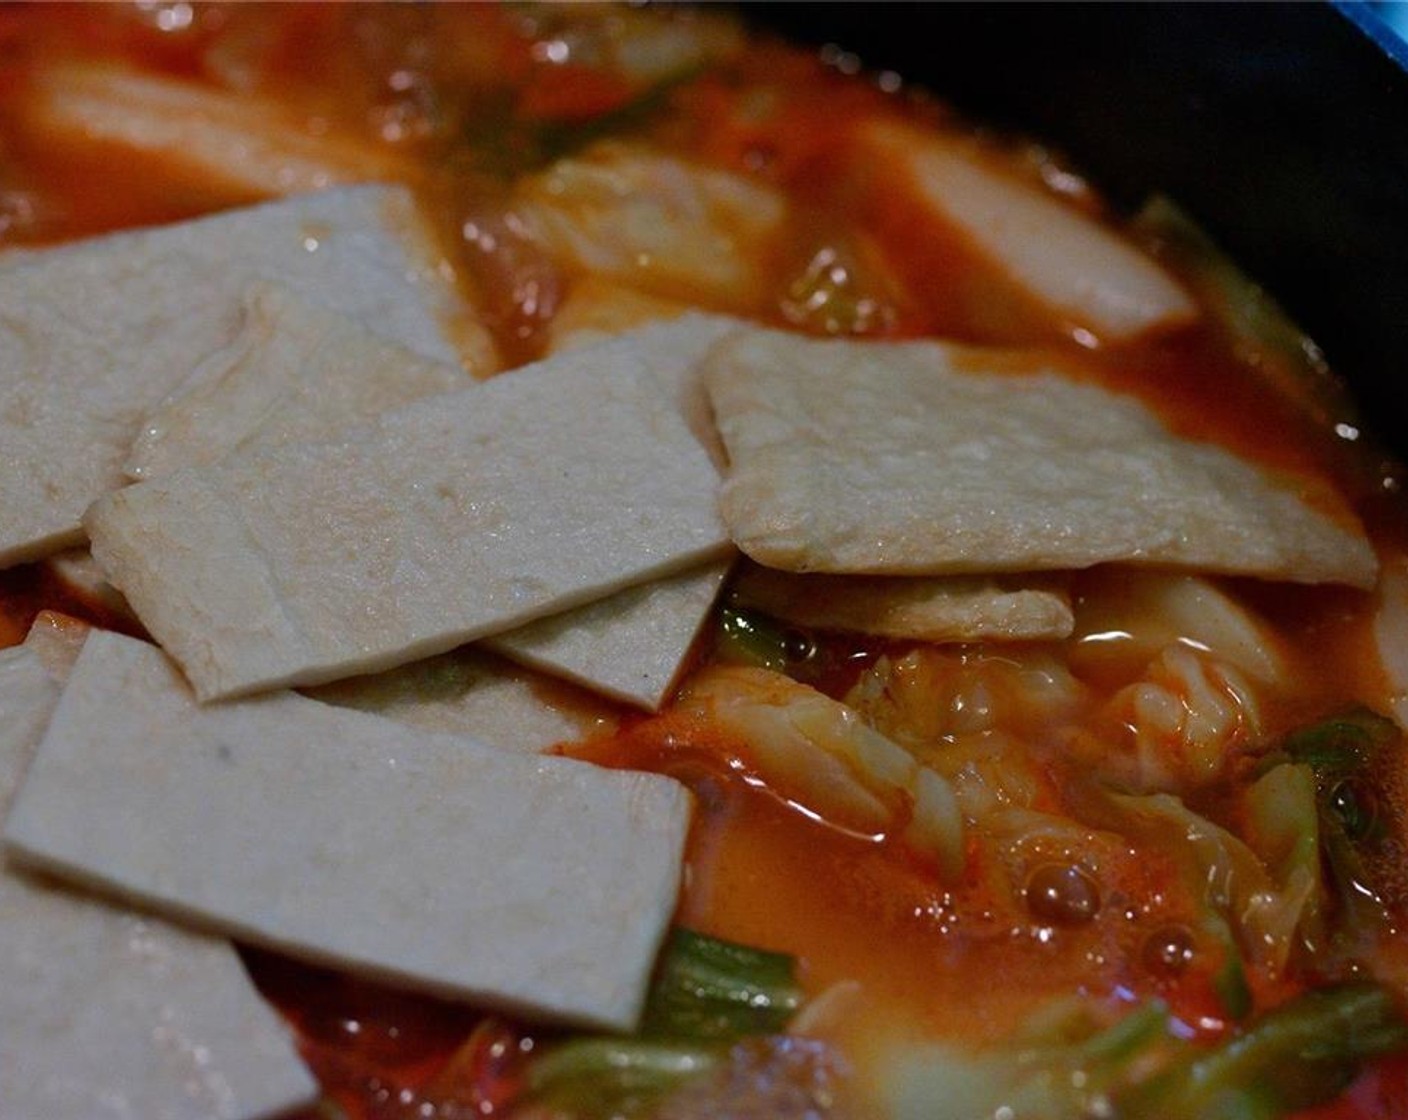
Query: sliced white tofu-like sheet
[(455, 517), (674, 351), (477, 693), (57, 639), (226, 139), (94, 335), (109, 1013), (926, 458), (631, 645), (926, 608), (294, 371), (301, 372), (1062, 258), (540, 885)]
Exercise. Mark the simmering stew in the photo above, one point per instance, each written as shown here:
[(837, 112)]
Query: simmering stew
[(1036, 667)]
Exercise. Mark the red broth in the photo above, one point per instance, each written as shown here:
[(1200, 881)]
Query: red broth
[(469, 99)]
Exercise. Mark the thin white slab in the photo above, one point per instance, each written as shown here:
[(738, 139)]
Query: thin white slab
[(95, 334), (295, 371), (597, 308), (182, 131), (1055, 254), (473, 692), (631, 645), (910, 459), (75, 570), (106, 1013), (540, 885), (674, 351), (300, 372), (925, 608), (57, 639), (450, 519)]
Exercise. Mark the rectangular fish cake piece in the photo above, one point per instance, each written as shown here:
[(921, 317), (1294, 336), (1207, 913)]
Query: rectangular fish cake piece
[(926, 608), (927, 458), (632, 645), (295, 371), (629, 646), (474, 692), (95, 334), (454, 517), (105, 1012), (536, 884), (300, 372)]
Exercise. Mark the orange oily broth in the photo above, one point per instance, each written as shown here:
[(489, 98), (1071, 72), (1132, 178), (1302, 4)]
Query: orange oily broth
[(860, 908), (852, 908)]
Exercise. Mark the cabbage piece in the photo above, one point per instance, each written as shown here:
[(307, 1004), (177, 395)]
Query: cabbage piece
[(1065, 1069), (818, 753), (1183, 726), (1238, 891), (1298, 1055), (930, 697), (1356, 759), (642, 47), (653, 222), (1282, 827), (1127, 616)]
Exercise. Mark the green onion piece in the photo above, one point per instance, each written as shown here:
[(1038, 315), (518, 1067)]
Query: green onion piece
[(1343, 744), (1294, 1057), (1350, 755), (616, 1077), (1259, 329), (706, 995), (710, 989), (751, 638), (1230, 981)]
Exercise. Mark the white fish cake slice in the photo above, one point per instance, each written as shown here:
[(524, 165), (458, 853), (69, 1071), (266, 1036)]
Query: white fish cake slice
[(630, 645), (539, 885), (299, 372), (108, 1013), (452, 518), (1066, 261), (296, 371), (674, 350), (597, 308), (191, 133), (474, 692), (96, 334), (901, 458), (925, 608), (57, 639), (79, 575)]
